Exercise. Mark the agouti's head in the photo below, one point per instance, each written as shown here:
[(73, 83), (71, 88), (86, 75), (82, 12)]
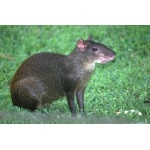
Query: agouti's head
[(93, 51)]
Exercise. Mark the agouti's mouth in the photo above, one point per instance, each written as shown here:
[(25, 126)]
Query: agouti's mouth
[(103, 60)]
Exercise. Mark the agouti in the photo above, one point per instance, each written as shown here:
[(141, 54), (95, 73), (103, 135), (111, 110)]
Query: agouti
[(46, 77)]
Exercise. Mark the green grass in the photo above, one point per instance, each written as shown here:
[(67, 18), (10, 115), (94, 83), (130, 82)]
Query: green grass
[(120, 85)]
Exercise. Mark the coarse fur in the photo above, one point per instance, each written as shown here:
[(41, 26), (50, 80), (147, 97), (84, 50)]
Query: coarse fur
[(46, 77)]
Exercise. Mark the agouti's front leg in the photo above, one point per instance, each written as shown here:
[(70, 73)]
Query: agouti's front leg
[(71, 104), (80, 100)]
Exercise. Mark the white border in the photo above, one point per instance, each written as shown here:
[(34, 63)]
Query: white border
[(74, 12), (118, 137)]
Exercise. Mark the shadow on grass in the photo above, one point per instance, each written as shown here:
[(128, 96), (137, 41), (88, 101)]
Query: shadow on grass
[(40, 118)]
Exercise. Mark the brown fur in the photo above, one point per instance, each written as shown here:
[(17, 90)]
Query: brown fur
[(46, 77)]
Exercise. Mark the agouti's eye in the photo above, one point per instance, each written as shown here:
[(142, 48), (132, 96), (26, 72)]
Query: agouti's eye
[(94, 49)]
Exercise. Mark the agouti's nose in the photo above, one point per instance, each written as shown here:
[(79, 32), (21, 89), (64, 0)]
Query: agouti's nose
[(112, 54)]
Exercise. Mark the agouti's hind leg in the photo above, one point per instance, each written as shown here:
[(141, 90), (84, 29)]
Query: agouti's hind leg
[(25, 101), (26, 94)]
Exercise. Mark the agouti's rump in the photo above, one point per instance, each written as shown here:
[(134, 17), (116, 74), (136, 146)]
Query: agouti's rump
[(46, 77)]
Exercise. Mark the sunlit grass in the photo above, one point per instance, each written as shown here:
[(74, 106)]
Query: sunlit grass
[(118, 86)]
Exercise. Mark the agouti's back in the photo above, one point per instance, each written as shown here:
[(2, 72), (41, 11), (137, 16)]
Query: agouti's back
[(46, 77), (37, 65)]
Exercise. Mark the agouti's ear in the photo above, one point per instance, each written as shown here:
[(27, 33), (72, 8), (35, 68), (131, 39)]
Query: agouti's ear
[(89, 38), (81, 44)]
